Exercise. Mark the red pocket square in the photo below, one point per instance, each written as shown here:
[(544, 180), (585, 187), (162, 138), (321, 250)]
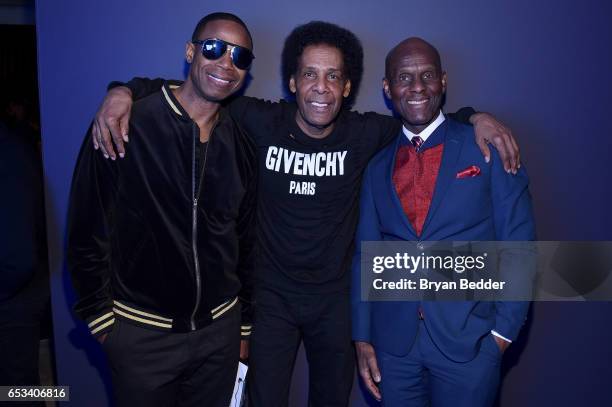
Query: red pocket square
[(471, 171)]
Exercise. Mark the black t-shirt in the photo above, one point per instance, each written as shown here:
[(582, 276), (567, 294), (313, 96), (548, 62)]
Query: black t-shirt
[(309, 188)]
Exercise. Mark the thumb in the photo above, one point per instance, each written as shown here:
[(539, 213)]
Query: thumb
[(373, 365)]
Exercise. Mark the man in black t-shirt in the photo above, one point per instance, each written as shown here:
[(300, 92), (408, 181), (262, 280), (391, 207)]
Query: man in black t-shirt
[(312, 154)]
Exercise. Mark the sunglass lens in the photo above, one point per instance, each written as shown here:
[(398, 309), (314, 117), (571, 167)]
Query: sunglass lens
[(242, 57), (213, 49)]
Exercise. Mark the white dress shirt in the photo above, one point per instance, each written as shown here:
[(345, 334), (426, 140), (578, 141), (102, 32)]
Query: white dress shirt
[(427, 131)]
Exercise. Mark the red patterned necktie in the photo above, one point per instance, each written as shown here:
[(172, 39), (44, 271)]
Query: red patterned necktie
[(417, 142)]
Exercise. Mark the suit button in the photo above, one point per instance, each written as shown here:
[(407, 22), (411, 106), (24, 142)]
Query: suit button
[(420, 246)]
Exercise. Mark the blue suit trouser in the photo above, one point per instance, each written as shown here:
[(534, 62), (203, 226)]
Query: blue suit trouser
[(426, 377)]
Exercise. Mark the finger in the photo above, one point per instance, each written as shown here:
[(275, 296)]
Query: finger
[(94, 135), (100, 143), (484, 148), (375, 391), (105, 141), (511, 151), (506, 136), (373, 367), (124, 125), (500, 145), (517, 149), (369, 383), (116, 133)]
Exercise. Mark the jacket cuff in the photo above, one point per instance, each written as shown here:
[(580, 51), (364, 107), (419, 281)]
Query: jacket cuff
[(101, 323), (246, 325), (500, 336), (245, 331), (361, 327), (464, 114)]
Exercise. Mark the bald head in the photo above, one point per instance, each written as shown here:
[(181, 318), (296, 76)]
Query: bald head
[(415, 82), (411, 46)]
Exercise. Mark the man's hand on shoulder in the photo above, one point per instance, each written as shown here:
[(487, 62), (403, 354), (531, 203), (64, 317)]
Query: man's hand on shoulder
[(489, 130), (112, 122), (368, 368)]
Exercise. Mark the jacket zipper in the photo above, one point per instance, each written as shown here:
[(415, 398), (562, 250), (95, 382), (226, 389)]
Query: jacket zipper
[(196, 188)]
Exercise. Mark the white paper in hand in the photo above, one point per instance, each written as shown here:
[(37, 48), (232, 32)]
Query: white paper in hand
[(238, 395)]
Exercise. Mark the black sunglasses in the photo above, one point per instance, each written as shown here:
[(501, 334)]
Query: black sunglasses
[(214, 48)]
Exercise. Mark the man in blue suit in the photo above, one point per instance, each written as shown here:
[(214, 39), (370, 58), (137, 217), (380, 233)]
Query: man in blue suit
[(431, 185)]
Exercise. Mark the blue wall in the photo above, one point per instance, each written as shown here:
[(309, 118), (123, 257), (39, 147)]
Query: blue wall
[(542, 66)]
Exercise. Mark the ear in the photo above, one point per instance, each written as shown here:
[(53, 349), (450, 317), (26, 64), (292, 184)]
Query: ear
[(386, 88), (292, 86), (444, 81), (347, 88), (189, 52)]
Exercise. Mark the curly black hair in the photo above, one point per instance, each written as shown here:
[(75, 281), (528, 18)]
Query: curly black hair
[(320, 32)]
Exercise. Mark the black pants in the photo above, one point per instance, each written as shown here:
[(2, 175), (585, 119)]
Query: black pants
[(153, 368), (281, 322)]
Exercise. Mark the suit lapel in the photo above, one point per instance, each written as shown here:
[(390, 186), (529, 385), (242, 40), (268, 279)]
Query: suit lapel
[(393, 192), (453, 143)]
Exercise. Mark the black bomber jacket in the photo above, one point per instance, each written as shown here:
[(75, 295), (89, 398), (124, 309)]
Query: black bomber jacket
[(164, 237)]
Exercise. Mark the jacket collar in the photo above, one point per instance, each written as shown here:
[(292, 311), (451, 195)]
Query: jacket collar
[(172, 102)]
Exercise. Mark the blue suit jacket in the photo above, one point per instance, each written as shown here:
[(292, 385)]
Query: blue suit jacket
[(491, 206)]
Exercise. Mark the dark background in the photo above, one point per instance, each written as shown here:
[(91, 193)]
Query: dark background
[(543, 67)]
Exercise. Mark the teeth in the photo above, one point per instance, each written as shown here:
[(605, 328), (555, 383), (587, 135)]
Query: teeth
[(417, 102), (223, 81), (316, 104)]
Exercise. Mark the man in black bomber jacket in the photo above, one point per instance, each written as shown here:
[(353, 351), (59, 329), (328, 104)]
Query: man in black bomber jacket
[(159, 244)]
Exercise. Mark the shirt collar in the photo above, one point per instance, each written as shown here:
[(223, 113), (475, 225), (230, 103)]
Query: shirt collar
[(427, 131)]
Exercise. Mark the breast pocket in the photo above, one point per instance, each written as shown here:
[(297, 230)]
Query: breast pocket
[(469, 199)]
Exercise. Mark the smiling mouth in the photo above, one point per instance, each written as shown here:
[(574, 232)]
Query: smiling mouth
[(319, 105), (417, 102), (218, 80)]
